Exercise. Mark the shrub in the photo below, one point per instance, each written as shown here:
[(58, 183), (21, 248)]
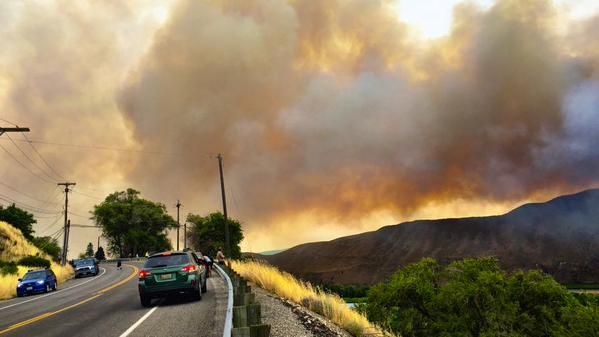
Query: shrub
[(34, 261), (474, 297), (8, 268)]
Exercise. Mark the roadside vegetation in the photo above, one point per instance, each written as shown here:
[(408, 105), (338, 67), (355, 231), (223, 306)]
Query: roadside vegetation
[(350, 293), (474, 297), (133, 226), (18, 255), (208, 235), (316, 299), (23, 221)]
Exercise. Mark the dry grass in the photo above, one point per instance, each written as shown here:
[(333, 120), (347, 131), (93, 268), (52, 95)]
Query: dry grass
[(287, 286), (14, 246)]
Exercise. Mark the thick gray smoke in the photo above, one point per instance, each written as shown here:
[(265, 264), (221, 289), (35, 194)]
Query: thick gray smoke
[(331, 116), (329, 108)]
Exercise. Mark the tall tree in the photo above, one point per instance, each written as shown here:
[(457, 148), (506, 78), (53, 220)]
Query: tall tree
[(207, 234), (100, 256), (133, 225), (18, 218), (89, 251)]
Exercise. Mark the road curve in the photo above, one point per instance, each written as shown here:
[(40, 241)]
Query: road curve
[(95, 307)]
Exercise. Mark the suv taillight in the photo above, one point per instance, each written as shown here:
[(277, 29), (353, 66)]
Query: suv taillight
[(144, 274), (190, 268)]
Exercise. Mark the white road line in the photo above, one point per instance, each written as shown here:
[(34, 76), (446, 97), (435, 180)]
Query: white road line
[(136, 324), (55, 292)]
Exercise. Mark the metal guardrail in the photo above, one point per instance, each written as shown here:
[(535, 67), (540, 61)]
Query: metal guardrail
[(229, 314)]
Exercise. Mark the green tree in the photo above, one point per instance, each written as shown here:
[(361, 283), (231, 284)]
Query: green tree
[(473, 298), (19, 219), (48, 245), (207, 234), (133, 225), (89, 251), (100, 256)]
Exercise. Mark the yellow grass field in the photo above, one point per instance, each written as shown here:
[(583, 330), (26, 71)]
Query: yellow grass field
[(288, 287), (14, 246)]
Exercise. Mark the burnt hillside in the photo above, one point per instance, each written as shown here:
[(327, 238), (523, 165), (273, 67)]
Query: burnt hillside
[(560, 236)]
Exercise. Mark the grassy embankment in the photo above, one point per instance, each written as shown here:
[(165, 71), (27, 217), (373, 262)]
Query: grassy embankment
[(14, 246), (288, 287)]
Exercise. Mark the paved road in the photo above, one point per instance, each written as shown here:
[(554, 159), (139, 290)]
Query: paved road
[(108, 305)]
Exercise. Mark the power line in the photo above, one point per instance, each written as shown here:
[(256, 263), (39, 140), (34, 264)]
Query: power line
[(52, 224), (25, 167), (88, 195), (79, 215), (25, 194), (41, 157), (85, 226), (9, 122), (29, 158), (26, 206), (100, 147)]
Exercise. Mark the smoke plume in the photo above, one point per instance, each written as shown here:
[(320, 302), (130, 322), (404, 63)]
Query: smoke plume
[(332, 116), (332, 108)]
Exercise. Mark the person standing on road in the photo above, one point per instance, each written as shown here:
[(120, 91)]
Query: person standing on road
[(208, 264), (220, 257), (118, 264)]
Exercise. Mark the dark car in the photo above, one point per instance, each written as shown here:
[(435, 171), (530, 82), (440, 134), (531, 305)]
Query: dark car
[(172, 273), (86, 267), (37, 281)]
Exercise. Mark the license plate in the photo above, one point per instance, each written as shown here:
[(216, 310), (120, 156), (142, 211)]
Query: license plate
[(29, 288), (166, 276)]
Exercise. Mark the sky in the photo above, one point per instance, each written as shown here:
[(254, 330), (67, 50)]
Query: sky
[(333, 117)]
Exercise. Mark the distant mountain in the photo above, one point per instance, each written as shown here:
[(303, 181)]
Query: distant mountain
[(272, 252), (560, 236)]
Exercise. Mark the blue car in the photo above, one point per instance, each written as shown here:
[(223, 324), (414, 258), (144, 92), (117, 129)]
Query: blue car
[(37, 281), (86, 267)]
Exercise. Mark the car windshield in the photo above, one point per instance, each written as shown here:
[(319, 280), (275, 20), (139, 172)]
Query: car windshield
[(84, 263), (167, 260), (36, 275)]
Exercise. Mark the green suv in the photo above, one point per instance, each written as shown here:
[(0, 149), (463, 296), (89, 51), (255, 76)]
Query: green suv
[(171, 272)]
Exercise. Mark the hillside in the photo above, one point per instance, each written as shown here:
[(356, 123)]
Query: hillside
[(14, 246), (560, 236)]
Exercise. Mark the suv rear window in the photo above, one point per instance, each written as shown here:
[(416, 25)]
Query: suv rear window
[(167, 260)]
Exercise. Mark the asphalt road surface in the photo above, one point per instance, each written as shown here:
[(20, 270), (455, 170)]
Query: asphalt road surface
[(108, 305)]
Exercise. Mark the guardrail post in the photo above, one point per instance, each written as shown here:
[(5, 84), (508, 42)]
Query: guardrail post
[(247, 313)]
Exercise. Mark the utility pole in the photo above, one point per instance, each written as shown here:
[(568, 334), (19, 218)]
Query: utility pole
[(185, 235), (178, 224), (222, 189), (17, 129), (67, 223)]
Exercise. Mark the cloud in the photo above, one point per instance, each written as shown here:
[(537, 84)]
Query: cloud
[(328, 113)]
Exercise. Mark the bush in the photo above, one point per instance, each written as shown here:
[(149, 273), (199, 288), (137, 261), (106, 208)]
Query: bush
[(34, 261), (8, 268), (474, 297), (347, 291)]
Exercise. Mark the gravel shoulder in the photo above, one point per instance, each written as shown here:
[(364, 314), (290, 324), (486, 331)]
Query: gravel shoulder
[(288, 319)]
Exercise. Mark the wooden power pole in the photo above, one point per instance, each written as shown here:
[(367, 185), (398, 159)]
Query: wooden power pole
[(65, 246), (178, 224), (222, 189)]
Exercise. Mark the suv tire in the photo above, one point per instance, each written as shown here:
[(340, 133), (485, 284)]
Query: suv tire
[(145, 300)]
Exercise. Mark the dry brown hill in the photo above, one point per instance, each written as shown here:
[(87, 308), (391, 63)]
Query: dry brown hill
[(560, 236)]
